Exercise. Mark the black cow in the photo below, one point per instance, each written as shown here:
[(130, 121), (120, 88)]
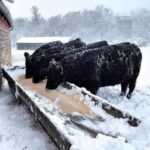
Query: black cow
[(50, 48), (29, 59), (40, 66), (106, 66)]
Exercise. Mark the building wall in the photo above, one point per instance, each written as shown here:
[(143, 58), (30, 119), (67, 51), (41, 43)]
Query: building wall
[(29, 46), (5, 43), (124, 27)]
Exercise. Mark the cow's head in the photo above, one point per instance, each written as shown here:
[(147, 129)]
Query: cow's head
[(55, 75), (39, 69), (28, 64)]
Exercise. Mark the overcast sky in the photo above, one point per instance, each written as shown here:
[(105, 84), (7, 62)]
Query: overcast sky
[(22, 8)]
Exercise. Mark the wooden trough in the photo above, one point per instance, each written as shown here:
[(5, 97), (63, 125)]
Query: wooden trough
[(63, 114)]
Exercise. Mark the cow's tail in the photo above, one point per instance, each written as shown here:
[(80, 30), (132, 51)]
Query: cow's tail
[(138, 60)]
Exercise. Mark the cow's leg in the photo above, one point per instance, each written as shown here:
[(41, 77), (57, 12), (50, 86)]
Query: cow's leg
[(124, 86), (132, 81), (93, 89), (132, 84)]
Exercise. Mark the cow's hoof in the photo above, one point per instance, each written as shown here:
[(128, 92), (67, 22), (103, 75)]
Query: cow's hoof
[(129, 96), (28, 76), (122, 94), (35, 81)]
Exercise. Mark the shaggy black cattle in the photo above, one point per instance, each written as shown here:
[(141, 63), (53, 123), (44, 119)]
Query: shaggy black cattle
[(106, 66), (29, 59), (77, 43), (40, 66), (50, 48)]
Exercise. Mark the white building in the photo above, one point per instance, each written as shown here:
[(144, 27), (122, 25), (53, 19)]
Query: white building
[(124, 25), (32, 43)]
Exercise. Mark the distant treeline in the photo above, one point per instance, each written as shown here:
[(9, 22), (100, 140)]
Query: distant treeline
[(90, 25)]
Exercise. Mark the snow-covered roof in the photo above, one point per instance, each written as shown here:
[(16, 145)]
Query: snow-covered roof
[(5, 11), (11, 1), (43, 39)]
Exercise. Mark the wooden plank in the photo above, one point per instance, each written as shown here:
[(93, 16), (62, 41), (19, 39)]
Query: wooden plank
[(11, 82), (107, 107), (75, 121), (62, 142), (78, 120)]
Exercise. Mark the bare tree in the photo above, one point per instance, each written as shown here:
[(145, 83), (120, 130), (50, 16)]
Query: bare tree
[(91, 25), (103, 20), (141, 22), (36, 16)]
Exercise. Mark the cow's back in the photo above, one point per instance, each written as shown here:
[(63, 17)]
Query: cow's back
[(110, 64)]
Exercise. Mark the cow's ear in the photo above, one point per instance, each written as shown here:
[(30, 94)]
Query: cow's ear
[(59, 68), (26, 54), (38, 59), (42, 57), (55, 66), (52, 63)]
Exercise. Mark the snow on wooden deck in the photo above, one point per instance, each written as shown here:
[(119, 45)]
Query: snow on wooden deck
[(18, 129)]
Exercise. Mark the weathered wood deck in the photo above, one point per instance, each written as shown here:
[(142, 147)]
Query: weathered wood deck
[(62, 134)]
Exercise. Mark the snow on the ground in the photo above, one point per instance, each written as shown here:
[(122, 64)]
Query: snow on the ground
[(138, 138), (145, 69), (18, 129), (131, 138), (139, 104)]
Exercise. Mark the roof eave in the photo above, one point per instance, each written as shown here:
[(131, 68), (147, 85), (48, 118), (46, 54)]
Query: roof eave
[(7, 14)]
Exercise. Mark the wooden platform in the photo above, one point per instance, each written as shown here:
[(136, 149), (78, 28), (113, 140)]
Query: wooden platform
[(63, 115)]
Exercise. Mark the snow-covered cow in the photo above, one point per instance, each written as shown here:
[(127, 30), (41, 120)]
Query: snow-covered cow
[(106, 66), (49, 49), (40, 66)]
